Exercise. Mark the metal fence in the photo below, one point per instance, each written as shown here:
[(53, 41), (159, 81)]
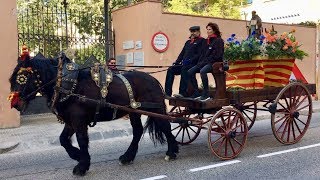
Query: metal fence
[(49, 30)]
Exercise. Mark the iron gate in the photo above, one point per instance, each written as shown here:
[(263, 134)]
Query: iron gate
[(49, 30)]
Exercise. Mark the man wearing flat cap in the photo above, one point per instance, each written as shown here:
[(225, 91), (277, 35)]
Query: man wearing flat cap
[(187, 58)]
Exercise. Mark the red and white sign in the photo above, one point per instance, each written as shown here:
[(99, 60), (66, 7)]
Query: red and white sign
[(160, 42)]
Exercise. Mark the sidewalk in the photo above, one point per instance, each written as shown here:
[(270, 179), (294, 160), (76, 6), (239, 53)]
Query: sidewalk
[(42, 131)]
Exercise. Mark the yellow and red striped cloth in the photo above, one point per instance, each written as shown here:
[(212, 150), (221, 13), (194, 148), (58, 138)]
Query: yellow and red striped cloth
[(277, 72), (246, 75), (257, 73)]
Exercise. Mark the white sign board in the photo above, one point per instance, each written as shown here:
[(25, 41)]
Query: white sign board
[(138, 44), (138, 58), (128, 45), (130, 57), (121, 60)]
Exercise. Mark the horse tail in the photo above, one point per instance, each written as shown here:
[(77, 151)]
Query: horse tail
[(154, 124), (155, 132)]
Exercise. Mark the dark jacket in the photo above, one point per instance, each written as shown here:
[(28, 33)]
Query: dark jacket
[(191, 52), (212, 51)]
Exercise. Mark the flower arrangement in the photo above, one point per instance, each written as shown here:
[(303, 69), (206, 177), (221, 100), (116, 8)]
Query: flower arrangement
[(244, 50), (269, 45)]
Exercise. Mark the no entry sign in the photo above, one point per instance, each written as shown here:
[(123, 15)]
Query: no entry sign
[(160, 42)]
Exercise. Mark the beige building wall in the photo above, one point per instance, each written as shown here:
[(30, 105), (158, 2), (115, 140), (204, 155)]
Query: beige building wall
[(8, 45), (141, 21)]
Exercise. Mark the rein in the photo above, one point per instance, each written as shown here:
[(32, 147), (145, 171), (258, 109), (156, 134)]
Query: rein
[(55, 79), (142, 67)]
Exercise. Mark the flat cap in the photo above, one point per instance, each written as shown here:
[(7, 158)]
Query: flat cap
[(194, 28)]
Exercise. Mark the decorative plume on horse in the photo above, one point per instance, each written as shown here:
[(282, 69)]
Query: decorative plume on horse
[(80, 97)]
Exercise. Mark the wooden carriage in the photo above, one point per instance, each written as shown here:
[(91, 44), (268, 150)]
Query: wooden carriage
[(231, 113)]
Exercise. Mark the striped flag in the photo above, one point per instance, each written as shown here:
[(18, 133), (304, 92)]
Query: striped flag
[(246, 75), (278, 72), (297, 75)]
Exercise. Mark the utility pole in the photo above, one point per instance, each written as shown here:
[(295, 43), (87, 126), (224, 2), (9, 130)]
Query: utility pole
[(106, 28)]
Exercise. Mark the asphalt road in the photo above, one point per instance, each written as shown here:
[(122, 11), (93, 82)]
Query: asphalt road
[(263, 158)]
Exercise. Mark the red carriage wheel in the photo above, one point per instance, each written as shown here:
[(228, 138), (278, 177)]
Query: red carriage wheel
[(249, 111), (291, 113), (185, 132), (227, 133)]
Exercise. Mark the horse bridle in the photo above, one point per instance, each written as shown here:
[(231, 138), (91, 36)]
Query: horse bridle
[(22, 79)]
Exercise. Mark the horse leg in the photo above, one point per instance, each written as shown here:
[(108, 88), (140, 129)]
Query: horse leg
[(173, 147), (65, 141), (83, 140), (137, 131)]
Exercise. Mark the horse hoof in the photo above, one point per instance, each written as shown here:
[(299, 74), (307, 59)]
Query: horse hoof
[(168, 158), (78, 171), (125, 163)]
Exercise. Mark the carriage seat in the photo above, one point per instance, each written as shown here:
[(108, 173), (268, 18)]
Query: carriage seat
[(219, 75)]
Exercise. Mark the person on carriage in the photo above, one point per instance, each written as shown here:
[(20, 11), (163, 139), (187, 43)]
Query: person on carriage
[(187, 58), (212, 51), (112, 65)]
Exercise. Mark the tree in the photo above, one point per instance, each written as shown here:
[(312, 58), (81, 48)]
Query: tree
[(309, 23), (216, 8)]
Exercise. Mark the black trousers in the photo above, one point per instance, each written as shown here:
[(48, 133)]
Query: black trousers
[(203, 73), (177, 70)]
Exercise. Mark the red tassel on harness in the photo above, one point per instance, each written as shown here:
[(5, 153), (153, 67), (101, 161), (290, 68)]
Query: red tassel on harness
[(14, 98)]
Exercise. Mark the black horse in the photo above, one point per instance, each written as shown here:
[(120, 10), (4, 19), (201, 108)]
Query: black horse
[(30, 74)]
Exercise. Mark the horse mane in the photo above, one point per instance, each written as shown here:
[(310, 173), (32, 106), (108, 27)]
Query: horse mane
[(47, 67)]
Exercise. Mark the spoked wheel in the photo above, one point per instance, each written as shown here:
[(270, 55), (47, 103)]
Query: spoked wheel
[(249, 111), (227, 133), (185, 132), (291, 113)]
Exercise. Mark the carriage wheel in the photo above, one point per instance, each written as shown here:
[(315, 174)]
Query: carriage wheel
[(227, 133), (249, 111), (291, 113), (187, 132)]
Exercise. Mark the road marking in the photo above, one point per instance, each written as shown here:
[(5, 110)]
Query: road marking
[(155, 177), (214, 165), (289, 150)]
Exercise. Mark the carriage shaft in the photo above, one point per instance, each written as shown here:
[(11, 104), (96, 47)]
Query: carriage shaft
[(142, 112)]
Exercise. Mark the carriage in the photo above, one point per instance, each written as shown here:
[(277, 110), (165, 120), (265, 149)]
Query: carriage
[(231, 114)]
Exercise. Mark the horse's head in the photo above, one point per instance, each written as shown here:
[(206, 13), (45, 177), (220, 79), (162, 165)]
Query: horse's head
[(24, 81)]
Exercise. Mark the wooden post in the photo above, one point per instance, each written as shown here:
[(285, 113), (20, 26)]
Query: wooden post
[(9, 42)]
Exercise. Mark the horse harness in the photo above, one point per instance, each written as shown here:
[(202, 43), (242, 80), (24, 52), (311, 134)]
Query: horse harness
[(67, 80)]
